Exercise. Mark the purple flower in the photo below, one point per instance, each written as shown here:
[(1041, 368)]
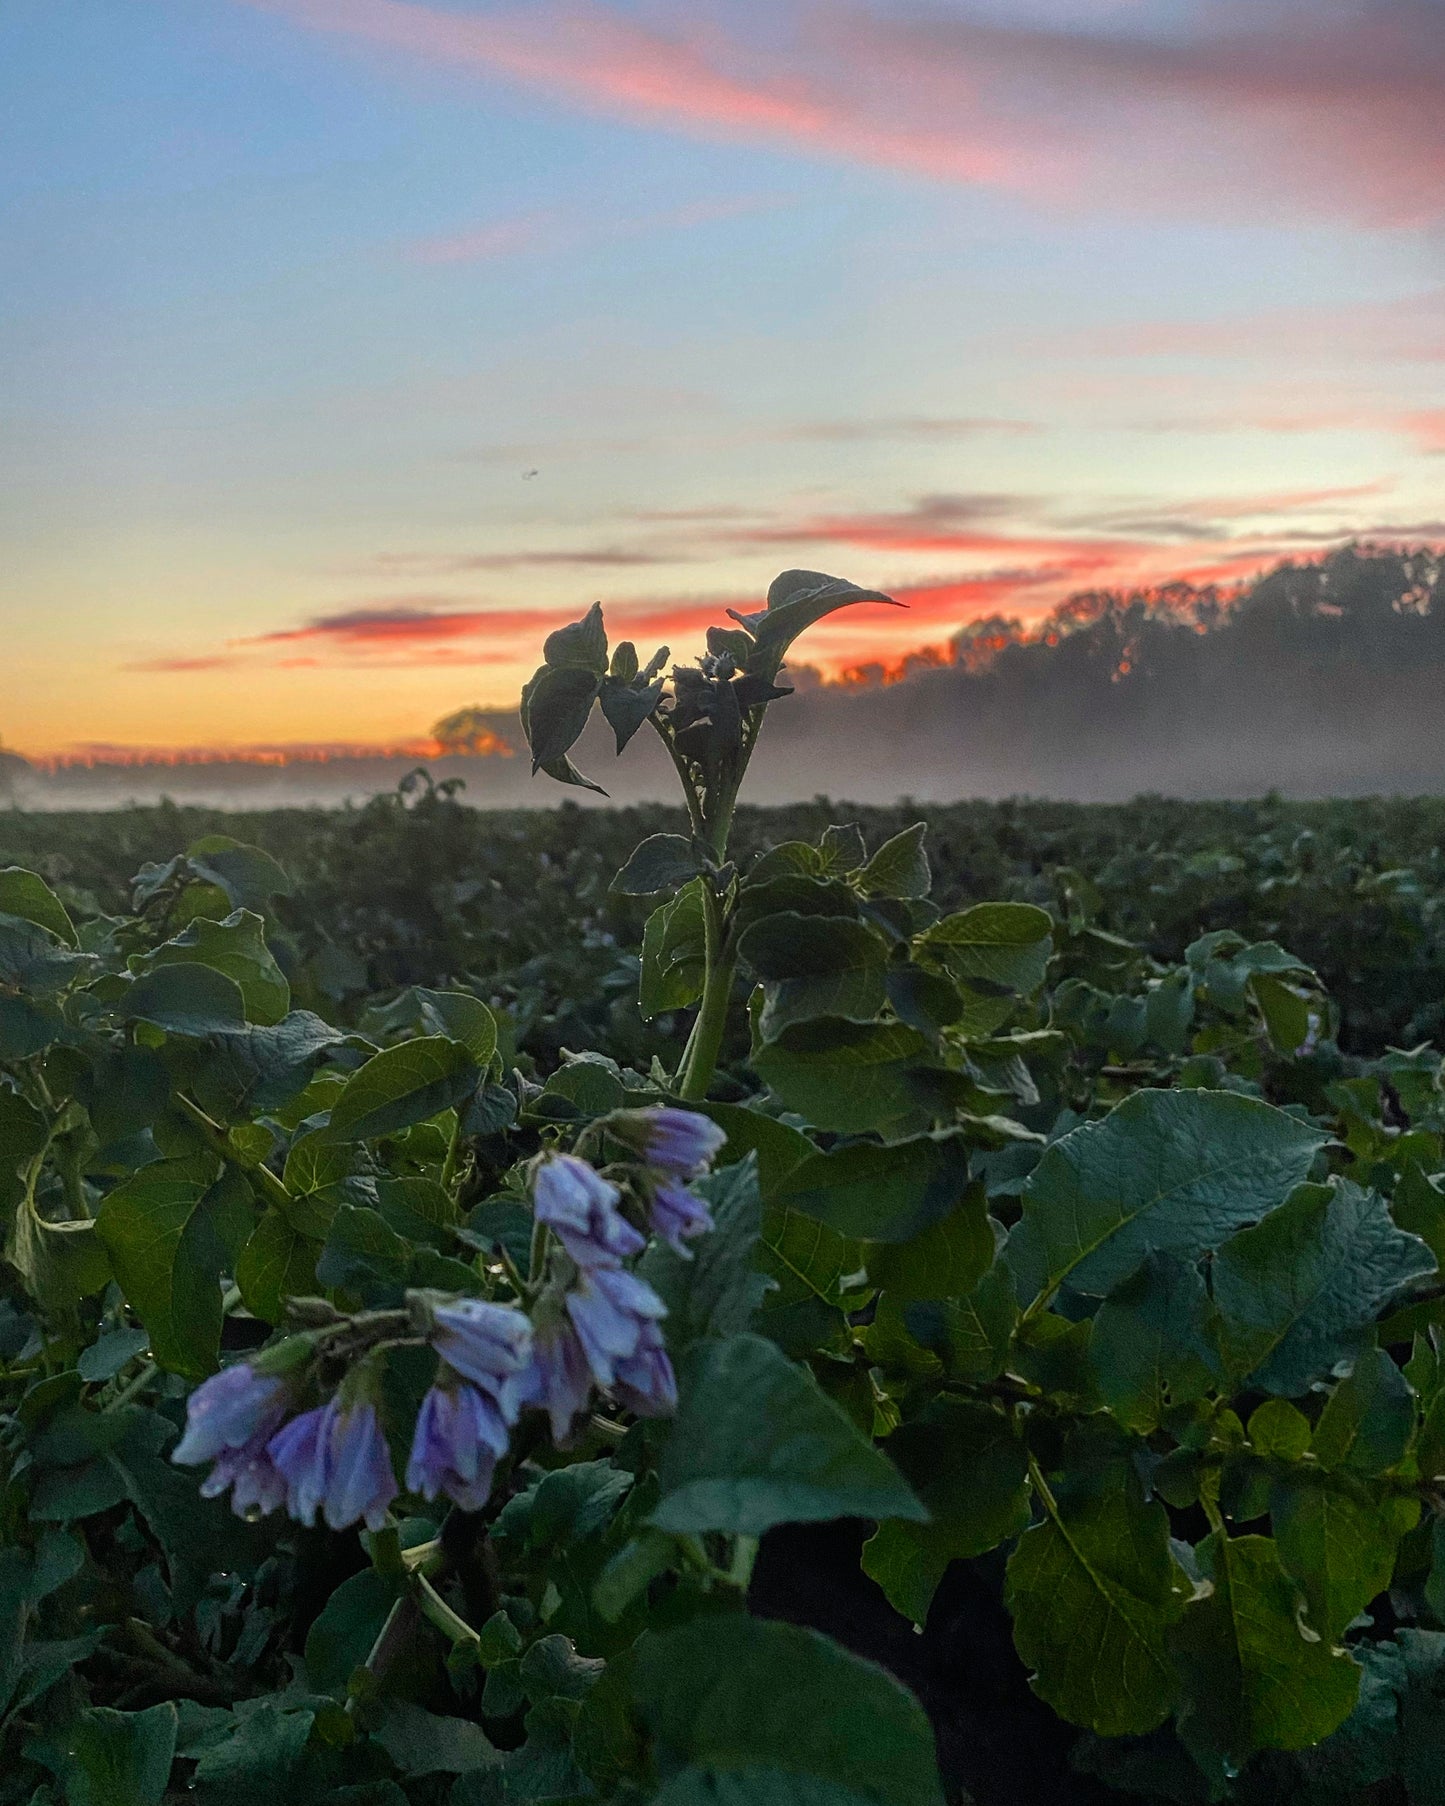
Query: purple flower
[(679, 1215), (645, 1382), (299, 1452), (489, 1344), (581, 1206), (256, 1484), (359, 1480), (459, 1435), (680, 1142), (231, 1409), (611, 1310), (559, 1378)]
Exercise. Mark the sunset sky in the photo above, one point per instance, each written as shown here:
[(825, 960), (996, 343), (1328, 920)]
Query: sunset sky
[(347, 346)]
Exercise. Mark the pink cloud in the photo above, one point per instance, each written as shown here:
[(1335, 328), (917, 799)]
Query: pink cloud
[(554, 231), (1408, 329), (1256, 111)]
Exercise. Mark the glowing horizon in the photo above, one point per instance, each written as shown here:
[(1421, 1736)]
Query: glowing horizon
[(354, 344)]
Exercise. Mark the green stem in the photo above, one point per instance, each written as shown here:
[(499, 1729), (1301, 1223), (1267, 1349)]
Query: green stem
[(275, 1192), (449, 1167), (707, 1031)]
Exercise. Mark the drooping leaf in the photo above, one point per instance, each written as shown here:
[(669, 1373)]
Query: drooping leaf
[(186, 999), (796, 599), (734, 1694), (875, 1193), (1298, 1293), (1093, 1590), (27, 896), (673, 954), (968, 1465), (402, 1085), (1368, 1419), (555, 707), (110, 1758), (1173, 1171), (1004, 944), (757, 1443), (1252, 1678), (1337, 1543), (171, 1232), (661, 862), (1154, 1342), (945, 1260), (237, 947), (843, 1075), (718, 1290), (814, 966)]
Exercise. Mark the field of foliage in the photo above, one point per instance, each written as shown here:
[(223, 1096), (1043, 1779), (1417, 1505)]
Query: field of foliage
[(630, 1269)]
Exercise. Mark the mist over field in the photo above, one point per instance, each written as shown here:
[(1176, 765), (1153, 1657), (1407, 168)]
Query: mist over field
[(1319, 679)]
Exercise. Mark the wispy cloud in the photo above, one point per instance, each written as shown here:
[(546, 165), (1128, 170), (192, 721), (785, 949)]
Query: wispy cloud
[(1254, 111), (553, 230), (1409, 329)]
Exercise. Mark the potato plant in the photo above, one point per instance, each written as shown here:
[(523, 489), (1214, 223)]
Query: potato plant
[(390, 1419)]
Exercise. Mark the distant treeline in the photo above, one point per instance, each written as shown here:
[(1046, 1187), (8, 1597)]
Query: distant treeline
[(1320, 678)]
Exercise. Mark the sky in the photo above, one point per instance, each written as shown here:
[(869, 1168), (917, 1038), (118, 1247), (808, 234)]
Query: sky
[(349, 346)]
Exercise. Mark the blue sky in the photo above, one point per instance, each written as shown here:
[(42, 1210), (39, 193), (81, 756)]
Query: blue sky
[(345, 344)]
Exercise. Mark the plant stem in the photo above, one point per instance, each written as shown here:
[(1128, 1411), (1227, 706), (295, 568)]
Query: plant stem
[(275, 1192), (707, 1031)]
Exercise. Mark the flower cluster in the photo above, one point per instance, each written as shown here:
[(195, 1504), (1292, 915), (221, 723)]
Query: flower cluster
[(595, 1326)]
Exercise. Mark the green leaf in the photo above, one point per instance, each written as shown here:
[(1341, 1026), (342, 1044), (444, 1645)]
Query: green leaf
[(424, 1743), (778, 1146), (717, 1292), (1172, 1171), (968, 1466), (1298, 1293), (882, 1194), (814, 966), (462, 1017), (1368, 1419), (1154, 1342), (555, 707), (1419, 1206), (674, 962), (109, 1758), (236, 947), (262, 1755), (945, 1260), (31, 959), (661, 862), (970, 1335), (626, 705), (114, 1350), (808, 1264), (186, 999), (843, 1075), (251, 1068), (1286, 1012), (1253, 1680), (276, 1263), (581, 644), (899, 868), (756, 1443), (171, 1232), (402, 1085), (27, 1027), (735, 1694), (1093, 1590), (249, 877), (755, 1787), (27, 896), (1004, 944), (343, 1632), (797, 599), (1338, 1544)]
